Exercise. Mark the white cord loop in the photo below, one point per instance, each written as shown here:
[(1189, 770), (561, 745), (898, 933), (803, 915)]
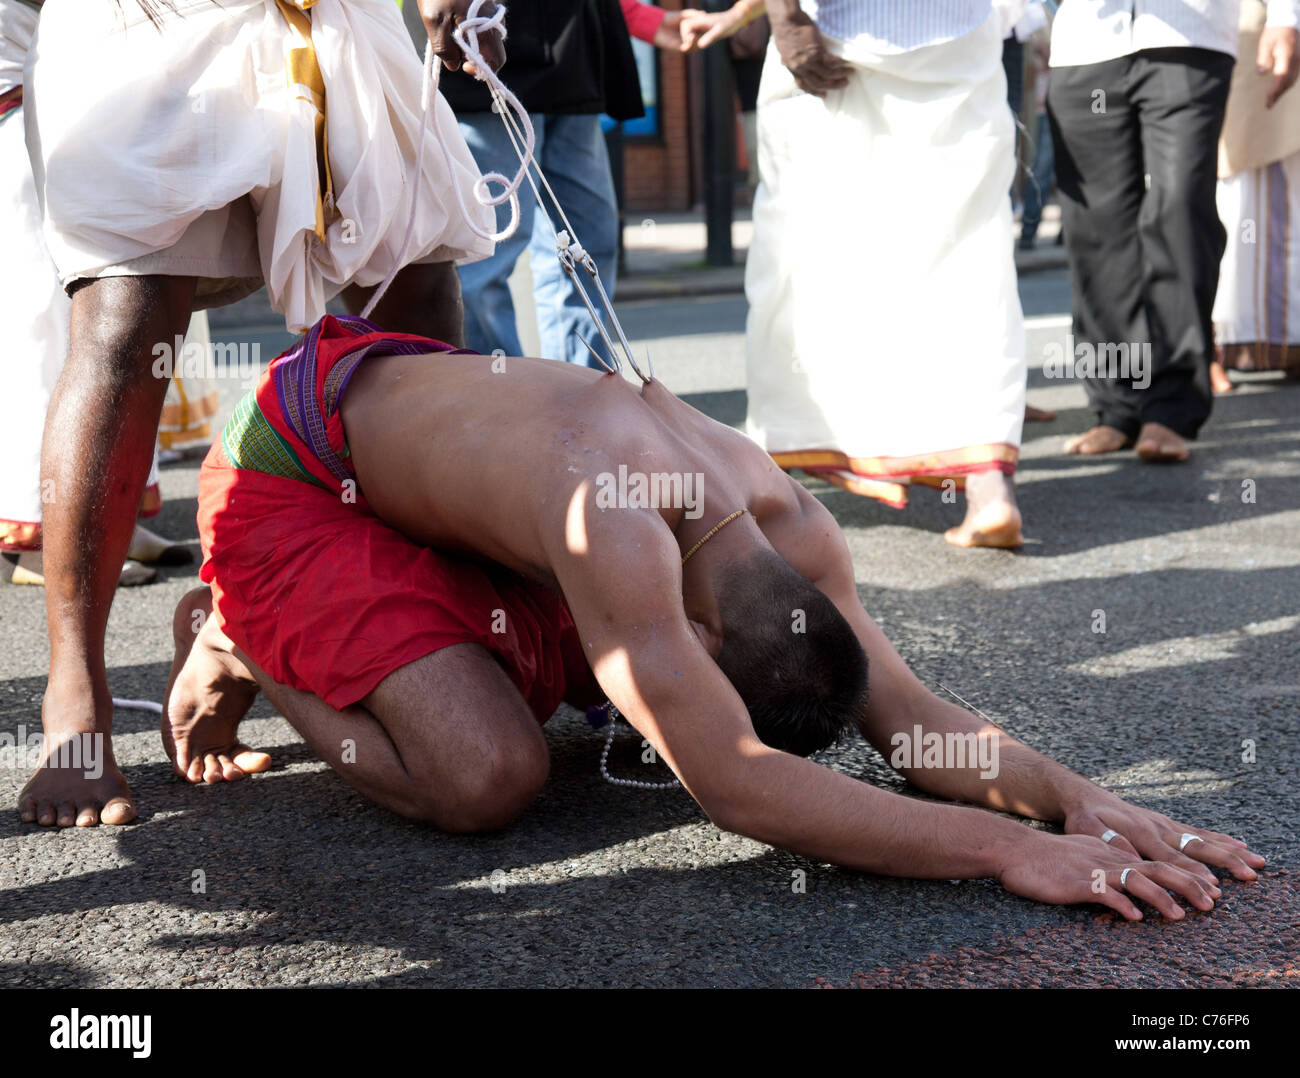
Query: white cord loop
[(523, 139)]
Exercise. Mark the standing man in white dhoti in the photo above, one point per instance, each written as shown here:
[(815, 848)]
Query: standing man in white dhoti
[(885, 340), (34, 311), (185, 152), (1256, 310)]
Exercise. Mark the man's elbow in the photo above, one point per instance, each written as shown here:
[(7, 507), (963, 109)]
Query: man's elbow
[(730, 806)]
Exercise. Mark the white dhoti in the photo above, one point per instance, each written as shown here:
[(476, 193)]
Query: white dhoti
[(33, 308), (885, 341), (1257, 307), (242, 142), (34, 311)]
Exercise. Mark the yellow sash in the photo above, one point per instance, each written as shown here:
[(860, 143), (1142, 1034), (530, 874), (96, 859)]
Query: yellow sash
[(303, 75)]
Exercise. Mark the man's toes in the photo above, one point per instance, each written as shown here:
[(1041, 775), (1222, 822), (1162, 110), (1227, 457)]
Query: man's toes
[(250, 761), (117, 812), (45, 814), (229, 771), (958, 536), (87, 814), (67, 815), (27, 810), (194, 773), (212, 768)]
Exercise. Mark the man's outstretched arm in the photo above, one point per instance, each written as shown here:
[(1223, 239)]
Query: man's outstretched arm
[(1022, 780), (623, 588)]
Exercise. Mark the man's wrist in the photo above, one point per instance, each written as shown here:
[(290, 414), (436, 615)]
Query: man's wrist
[(1012, 845), (1077, 794), (782, 10)]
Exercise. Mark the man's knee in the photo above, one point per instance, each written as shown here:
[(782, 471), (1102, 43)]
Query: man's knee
[(119, 322), (491, 793)]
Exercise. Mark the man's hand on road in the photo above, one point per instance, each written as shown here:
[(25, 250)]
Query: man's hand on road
[(1156, 837), (1277, 55), (816, 69), (441, 17), (1071, 869)]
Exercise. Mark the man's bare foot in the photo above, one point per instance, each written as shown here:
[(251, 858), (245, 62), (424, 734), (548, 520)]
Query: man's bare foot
[(1159, 444), (1219, 381), (992, 518), (208, 693), (1098, 440), (1038, 415), (77, 781)]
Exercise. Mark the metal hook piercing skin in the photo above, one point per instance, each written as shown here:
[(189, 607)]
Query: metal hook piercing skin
[(566, 260), (589, 264), (594, 354)]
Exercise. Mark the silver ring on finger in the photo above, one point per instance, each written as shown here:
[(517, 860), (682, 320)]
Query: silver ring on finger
[(1108, 834), (1188, 837), (1123, 878)]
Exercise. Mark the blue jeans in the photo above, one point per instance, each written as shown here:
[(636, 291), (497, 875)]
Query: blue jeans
[(571, 151), (1040, 177)]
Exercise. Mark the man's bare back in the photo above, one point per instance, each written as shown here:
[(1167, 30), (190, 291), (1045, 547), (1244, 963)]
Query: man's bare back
[(486, 455)]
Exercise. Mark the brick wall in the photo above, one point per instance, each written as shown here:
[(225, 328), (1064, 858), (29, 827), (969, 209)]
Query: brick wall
[(659, 175)]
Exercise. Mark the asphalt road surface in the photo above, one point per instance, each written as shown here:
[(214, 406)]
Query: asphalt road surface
[(290, 878)]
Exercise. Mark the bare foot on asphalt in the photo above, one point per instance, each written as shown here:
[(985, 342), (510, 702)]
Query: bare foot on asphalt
[(208, 693), (1159, 444), (992, 518), (1219, 381), (77, 781), (1098, 440)]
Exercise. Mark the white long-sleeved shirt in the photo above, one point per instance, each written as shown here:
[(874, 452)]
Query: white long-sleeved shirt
[(1093, 31), (893, 26)]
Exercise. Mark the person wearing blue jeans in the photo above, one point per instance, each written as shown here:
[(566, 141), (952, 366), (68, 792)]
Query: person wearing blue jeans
[(567, 62), (1041, 176), (571, 152)]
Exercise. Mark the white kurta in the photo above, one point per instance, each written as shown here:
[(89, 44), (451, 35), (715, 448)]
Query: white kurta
[(885, 341), (192, 148)]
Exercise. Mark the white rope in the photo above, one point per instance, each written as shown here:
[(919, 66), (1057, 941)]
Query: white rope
[(466, 36), (137, 705), (523, 140)]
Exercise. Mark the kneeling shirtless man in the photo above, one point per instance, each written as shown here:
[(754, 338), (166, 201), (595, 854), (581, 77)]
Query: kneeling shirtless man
[(422, 554)]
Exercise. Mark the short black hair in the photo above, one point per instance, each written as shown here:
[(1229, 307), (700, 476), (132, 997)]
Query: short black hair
[(791, 656)]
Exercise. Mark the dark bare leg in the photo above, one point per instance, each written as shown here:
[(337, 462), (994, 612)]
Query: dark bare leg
[(447, 738), (423, 299), (99, 437)]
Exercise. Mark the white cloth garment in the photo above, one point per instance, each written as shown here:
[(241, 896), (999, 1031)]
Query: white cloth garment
[(1093, 31), (893, 26), (191, 148), (17, 28), (1258, 301), (885, 341), (34, 311)]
